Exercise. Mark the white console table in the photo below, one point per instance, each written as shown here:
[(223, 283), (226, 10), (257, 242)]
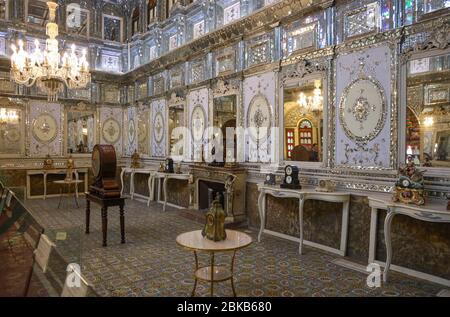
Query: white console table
[(302, 195), (165, 177), (134, 171), (431, 212), (46, 172)]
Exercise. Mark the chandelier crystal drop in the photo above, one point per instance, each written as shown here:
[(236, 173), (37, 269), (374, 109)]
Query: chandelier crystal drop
[(46, 68), (311, 103)]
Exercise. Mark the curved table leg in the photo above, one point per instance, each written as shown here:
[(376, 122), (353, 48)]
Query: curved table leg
[(300, 219), (262, 212), (232, 273), (165, 192), (387, 238), (132, 185), (45, 185), (195, 277), (150, 190), (121, 181)]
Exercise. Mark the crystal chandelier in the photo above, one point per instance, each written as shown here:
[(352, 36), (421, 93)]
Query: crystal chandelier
[(8, 116), (46, 68), (311, 103)]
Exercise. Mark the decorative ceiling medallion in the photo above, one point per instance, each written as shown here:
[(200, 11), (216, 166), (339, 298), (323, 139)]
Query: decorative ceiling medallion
[(111, 130), (198, 121), (45, 128), (131, 131), (259, 118), (159, 127), (362, 109)]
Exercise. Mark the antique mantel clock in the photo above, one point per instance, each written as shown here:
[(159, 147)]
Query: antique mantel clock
[(104, 166), (291, 180)]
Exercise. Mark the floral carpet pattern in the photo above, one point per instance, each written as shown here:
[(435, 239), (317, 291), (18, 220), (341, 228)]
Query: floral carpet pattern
[(150, 263)]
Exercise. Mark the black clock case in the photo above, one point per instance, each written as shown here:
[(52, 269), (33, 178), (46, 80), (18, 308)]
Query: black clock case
[(168, 168), (295, 181), (271, 181)]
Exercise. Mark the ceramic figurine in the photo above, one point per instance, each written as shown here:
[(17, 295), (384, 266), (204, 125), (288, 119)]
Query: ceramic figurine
[(409, 187)]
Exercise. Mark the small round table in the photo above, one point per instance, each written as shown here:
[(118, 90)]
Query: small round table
[(194, 241), (68, 183)]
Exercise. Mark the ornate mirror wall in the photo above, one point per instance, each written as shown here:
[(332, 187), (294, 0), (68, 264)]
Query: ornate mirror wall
[(11, 130), (224, 116), (80, 131), (143, 132), (428, 111), (176, 120), (303, 121)]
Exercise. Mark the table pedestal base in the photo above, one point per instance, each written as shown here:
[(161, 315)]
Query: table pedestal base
[(214, 274)]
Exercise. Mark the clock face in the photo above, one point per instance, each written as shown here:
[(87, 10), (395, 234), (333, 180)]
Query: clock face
[(322, 183), (159, 127), (96, 162), (268, 178), (289, 179), (288, 170), (362, 109), (259, 118), (405, 183), (45, 128), (111, 131)]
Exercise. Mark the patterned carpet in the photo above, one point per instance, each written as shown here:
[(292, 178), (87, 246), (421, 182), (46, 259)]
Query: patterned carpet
[(152, 264)]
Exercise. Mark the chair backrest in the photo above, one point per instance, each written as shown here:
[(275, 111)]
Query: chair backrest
[(300, 153)]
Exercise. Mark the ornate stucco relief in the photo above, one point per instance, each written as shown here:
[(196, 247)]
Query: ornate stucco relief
[(259, 108), (371, 150), (40, 113)]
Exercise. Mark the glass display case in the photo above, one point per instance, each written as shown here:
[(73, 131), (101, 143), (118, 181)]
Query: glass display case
[(173, 33), (199, 19), (305, 34), (260, 49), (227, 11)]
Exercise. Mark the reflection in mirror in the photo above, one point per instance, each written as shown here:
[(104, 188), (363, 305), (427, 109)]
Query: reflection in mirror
[(224, 116), (11, 138), (80, 132), (428, 112), (303, 122), (143, 128), (176, 119)]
